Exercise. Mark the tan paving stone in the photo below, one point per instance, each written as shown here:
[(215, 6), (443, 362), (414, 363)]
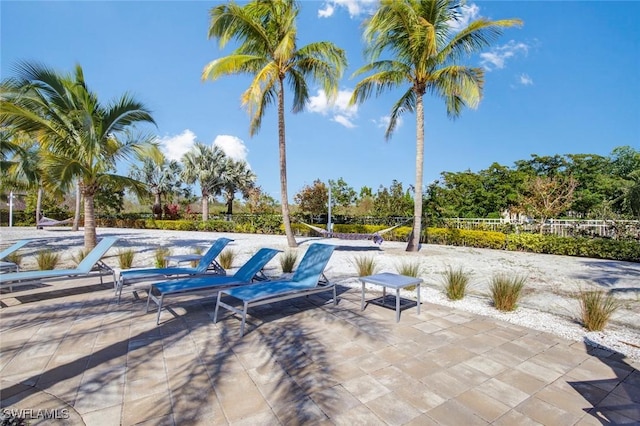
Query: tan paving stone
[(503, 392), (445, 384), (521, 380), (365, 388), (453, 412), (514, 417), (155, 406), (110, 416), (548, 414), (393, 410), (482, 404)]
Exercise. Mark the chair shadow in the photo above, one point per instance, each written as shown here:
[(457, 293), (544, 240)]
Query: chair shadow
[(613, 400)]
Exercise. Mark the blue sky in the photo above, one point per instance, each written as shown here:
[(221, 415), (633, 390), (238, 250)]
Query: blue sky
[(566, 82)]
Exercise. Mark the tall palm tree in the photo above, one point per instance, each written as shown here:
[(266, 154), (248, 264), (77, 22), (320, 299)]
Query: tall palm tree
[(205, 165), (266, 33), (426, 58), (238, 177), (83, 137), (161, 176)]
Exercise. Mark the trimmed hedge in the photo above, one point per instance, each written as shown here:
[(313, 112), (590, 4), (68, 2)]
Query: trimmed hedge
[(603, 248)]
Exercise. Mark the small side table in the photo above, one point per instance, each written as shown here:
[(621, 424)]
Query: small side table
[(395, 281)]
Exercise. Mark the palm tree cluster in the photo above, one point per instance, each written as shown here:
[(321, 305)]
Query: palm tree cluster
[(80, 139)]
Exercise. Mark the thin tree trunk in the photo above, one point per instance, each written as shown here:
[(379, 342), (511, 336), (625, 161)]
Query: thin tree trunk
[(89, 223), (76, 214), (414, 240), (39, 207), (157, 206), (283, 169)]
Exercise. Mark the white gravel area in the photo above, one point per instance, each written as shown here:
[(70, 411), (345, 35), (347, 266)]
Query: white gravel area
[(548, 304)]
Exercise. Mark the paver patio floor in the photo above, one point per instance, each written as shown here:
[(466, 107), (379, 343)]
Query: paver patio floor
[(77, 354)]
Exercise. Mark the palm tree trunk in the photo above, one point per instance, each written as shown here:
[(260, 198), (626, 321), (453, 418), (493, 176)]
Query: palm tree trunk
[(39, 207), (205, 207), (89, 223), (414, 239), (283, 169), (76, 214), (157, 206)]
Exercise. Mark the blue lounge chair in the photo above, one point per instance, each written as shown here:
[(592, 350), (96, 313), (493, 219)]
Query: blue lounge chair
[(207, 261), (10, 266), (308, 279), (89, 263), (249, 272)]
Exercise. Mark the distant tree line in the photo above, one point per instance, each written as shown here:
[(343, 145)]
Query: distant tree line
[(572, 185)]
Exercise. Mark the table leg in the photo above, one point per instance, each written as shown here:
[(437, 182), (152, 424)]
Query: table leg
[(397, 305), (418, 298), (362, 303)]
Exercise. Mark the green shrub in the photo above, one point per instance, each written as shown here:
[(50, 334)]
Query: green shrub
[(160, 256), (467, 238), (226, 258), (365, 265), (47, 260), (596, 309), (506, 291), (455, 283), (288, 260), (125, 258)]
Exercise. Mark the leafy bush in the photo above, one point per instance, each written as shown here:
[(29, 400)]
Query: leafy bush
[(288, 261), (125, 258), (596, 309), (365, 265), (47, 260), (505, 291), (226, 258), (455, 283), (467, 238)]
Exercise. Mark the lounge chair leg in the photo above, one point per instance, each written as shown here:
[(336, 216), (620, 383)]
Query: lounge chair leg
[(335, 296), (215, 313), (148, 300), (159, 309), (244, 318)]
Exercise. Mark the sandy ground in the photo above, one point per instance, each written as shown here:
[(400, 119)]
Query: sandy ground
[(548, 304)]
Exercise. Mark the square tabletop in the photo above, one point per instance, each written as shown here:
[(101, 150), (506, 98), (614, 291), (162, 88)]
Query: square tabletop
[(390, 280)]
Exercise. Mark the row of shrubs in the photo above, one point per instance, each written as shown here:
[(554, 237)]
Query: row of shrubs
[(603, 248)]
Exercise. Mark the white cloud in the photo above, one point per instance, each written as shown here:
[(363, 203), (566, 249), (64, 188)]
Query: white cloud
[(327, 11), (339, 109), (497, 57), (341, 119), (233, 146), (354, 7), (383, 122), (525, 80), (174, 147), (468, 13)]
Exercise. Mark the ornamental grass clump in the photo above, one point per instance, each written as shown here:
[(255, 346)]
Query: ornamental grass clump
[(160, 256), (125, 258), (47, 260), (79, 256), (226, 258), (410, 269), (506, 291), (596, 309), (455, 283), (288, 260), (14, 257), (365, 265), (199, 251)]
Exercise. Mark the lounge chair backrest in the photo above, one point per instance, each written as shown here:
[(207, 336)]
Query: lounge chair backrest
[(312, 264), (213, 252), (6, 252), (247, 271), (96, 254)]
